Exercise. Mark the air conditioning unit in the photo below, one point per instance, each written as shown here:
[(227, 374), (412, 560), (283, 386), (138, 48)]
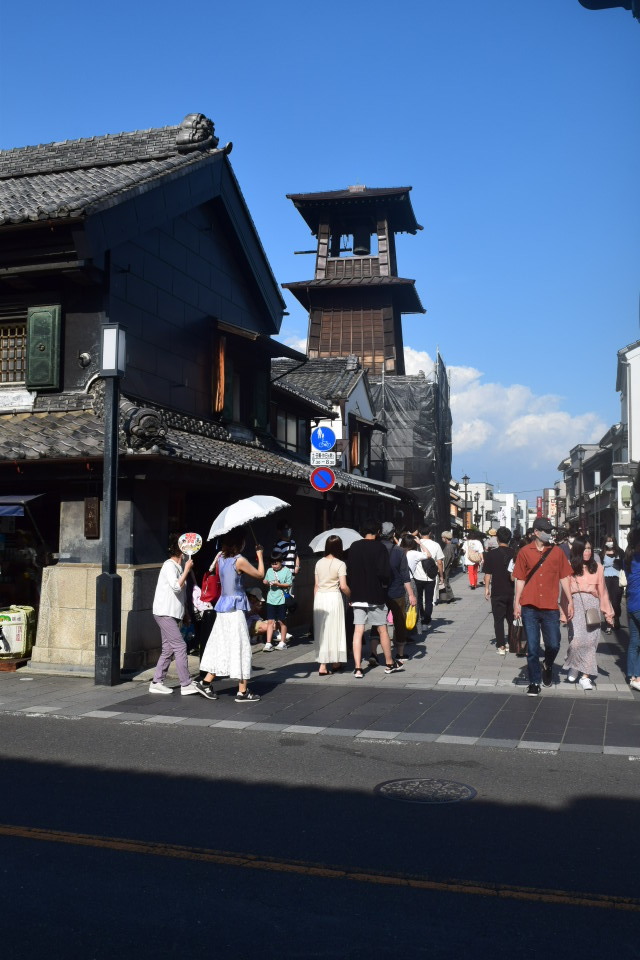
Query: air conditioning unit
[(624, 518)]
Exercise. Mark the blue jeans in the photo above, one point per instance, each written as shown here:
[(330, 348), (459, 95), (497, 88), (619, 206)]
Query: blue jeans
[(534, 621), (633, 653)]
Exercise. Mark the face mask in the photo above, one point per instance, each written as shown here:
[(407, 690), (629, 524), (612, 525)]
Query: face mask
[(609, 546), (543, 536)]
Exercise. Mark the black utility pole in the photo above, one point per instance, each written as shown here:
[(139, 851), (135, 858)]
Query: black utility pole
[(109, 584)]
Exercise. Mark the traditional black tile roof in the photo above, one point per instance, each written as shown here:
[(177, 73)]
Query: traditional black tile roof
[(403, 290), (332, 378), (66, 179), (300, 393), (78, 434)]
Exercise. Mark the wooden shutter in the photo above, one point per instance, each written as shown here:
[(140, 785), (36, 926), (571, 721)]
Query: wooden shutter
[(43, 347)]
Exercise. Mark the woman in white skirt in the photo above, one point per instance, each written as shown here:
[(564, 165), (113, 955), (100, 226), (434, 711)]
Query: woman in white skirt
[(328, 608), (589, 592), (228, 649)]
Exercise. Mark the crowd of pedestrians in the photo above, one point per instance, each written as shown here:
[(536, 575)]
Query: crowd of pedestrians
[(392, 579)]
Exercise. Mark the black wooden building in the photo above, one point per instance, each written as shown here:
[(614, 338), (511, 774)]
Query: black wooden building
[(148, 229)]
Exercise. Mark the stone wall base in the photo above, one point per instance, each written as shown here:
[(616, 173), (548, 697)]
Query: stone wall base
[(65, 640)]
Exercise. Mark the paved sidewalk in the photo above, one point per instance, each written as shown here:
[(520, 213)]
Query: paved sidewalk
[(455, 689)]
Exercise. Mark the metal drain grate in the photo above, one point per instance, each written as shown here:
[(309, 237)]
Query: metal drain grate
[(425, 791)]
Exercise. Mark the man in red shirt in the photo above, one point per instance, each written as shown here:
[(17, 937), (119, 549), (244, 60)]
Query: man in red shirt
[(536, 600)]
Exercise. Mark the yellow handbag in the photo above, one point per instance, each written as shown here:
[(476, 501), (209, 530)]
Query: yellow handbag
[(411, 618)]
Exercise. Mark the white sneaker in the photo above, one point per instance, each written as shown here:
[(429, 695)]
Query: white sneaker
[(159, 688), (572, 676), (268, 647), (289, 636), (635, 684), (585, 683), (281, 646), (502, 651), (188, 690)]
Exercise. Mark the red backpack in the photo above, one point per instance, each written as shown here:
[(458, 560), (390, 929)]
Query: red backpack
[(211, 585)]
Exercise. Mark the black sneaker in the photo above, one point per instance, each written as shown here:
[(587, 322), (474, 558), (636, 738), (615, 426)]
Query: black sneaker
[(547, 675), (373, 661), (247, 697), (394, 667), (533, 690), (206, 690)]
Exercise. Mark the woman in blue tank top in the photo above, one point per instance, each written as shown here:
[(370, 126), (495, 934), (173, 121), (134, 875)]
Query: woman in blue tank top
[(228, 649)]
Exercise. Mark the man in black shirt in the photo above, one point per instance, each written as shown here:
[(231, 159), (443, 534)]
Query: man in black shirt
[(368, 576), (498, 585)]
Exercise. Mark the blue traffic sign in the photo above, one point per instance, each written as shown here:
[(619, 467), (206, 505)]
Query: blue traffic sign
[(322, 479), (323, 438)]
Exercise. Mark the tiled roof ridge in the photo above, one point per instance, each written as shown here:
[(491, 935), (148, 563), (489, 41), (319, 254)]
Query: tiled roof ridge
[(298, 391), (57, 155), (195, 133), (313, 361)]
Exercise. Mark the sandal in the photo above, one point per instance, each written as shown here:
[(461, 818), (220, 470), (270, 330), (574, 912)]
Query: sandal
[(358, 674), (324, 673)]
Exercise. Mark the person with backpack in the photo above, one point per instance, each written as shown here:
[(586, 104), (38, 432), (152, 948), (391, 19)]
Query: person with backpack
[(433, 567), (499, 587), (368, 574), (472, 557), (399, 591)]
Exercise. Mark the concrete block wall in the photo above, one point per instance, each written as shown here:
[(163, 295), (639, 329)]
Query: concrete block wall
[(66, 624)]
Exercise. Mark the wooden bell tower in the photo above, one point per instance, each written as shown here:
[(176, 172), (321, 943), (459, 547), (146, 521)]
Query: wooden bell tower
[(356, 298)]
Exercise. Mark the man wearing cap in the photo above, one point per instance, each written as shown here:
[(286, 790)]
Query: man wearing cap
[(541, 569)]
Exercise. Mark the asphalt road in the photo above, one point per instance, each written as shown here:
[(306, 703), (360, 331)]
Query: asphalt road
[(277, 845)]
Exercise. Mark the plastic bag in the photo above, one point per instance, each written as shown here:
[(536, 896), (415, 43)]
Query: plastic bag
[(411, 618)]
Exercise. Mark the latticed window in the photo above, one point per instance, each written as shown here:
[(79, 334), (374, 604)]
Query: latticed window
[(13, 352)]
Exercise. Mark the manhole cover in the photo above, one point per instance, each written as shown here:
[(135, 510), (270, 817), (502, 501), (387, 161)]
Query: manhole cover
[(425, 791)]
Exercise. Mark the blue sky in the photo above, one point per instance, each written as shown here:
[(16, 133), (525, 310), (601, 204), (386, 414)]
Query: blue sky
[(515, 122)]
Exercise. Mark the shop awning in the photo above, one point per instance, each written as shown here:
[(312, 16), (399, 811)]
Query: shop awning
[(13, 506)]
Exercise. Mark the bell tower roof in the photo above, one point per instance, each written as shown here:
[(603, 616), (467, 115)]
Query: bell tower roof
[(354, 203)]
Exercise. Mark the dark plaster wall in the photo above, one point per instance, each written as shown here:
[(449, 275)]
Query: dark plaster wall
[(167, 288)]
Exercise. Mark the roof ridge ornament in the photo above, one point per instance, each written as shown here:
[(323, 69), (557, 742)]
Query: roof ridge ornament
[(196, 132)]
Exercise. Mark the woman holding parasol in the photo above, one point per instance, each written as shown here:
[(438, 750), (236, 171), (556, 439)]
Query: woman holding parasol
[(228, 649)]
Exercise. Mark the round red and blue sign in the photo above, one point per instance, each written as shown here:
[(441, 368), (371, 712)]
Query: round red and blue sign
[(322, 479)]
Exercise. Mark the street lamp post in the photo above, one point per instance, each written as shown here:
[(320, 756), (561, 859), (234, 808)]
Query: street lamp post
[(596, 479), (476, 497), (465, 480), (581, 490), (108, 584)]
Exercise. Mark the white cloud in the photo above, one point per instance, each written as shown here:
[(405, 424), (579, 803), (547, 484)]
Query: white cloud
[(513, 418), (505, 428), (512, 433), (293, 340), (417, 360)]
